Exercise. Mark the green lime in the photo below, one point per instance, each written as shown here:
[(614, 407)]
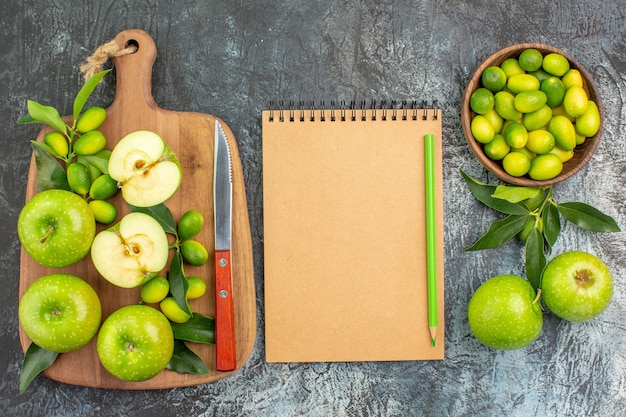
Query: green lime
[(58, 142), (90, 143), (190, 224), (572, 77), (516, 164), (580, 139), (529, 101), (494, 119), (538, 118), (91, 119), (511, 67), (563, 155), (103, 211), (575, 101), (493, 78), (588, 123), (522, 82), (530, 59), (497, 148), (194, 252), (555, 64), (554, 89), (516, 135), (481, 100), (540, 74), (155, 290), (103, 187), (505, 106), (481, 129), (540, 141), (196, 289), (563, 131), (78, 178), (172, 310), (560, 111), (545, 167)]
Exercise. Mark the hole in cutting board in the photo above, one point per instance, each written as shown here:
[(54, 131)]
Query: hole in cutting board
[(131, 43)]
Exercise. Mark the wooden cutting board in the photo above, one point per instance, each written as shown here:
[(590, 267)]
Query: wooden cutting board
[(191, 136)]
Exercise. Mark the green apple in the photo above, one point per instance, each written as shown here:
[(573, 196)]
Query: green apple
[(56, 228), (145, 168), (132, 251), (577, 286), (505, 313), (135, 343), (60, 312)]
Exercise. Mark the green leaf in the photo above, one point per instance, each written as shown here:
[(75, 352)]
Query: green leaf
[(515, 194), (587, 217), (50, 173), (178, 282), (101, 163), (199, 328), (161, 214), (499, 232), (551, 224), (535, 258), (85, 92), (36, 360), (185, 361), (40, 114), (484, 193)]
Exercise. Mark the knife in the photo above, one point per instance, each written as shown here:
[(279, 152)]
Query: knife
[(225, 359)]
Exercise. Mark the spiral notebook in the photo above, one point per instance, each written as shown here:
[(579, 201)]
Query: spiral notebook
[(344, 233)]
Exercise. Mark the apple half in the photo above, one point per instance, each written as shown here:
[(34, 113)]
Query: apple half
[(146, 169), (132, 251)]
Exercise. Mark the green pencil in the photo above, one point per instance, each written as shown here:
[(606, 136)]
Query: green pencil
[(431, 238)]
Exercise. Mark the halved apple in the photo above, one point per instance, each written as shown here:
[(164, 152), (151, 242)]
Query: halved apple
[(131, 252), (145, 168)]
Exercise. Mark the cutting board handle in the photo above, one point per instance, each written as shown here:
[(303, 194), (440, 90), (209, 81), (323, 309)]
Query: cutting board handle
[(133, 91)]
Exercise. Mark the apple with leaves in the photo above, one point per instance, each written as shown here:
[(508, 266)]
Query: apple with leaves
[(56, 228), (145, 168), (577, 286)]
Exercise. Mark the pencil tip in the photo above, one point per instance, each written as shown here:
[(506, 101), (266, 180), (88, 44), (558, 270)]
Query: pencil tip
[(433, 336)]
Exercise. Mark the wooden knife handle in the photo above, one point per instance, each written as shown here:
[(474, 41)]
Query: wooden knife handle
[(225, 359)]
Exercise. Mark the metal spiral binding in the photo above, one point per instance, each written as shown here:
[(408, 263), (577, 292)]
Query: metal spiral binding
[(353, 111)]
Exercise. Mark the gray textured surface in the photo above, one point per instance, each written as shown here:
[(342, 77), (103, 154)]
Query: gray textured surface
[(230, 59)]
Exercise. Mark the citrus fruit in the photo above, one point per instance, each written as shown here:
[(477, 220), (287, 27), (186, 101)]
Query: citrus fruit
[(563, 155), (90, 143), (194, 252), (516, 135), (172, 310), (91, 119), (572, 77), (522, 82), (575, 101), (540, 74), (481, 100), (554, 89), (103, 187), (505, 106), (511, 67), (563, 131), (545, 167), (197, 287), (190, 224), (516, 163), (58, 142), (103, 211), (493, 78), (529, 101), (481, 129), (538, 118), (494, 119), (78, 178), (530, 59), (555, 64), (540, 141), (588, 123), (155, 290), (497, 148)]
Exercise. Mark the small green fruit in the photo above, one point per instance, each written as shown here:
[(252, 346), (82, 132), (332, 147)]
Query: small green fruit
[(91, 119)]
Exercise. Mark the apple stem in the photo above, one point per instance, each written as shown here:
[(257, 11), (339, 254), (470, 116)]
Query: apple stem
[(47, 235), (538, 296)]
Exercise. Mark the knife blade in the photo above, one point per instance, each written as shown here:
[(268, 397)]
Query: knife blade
[(225, 359)]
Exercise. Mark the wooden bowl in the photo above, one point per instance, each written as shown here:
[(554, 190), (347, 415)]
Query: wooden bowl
[(582, 153)]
